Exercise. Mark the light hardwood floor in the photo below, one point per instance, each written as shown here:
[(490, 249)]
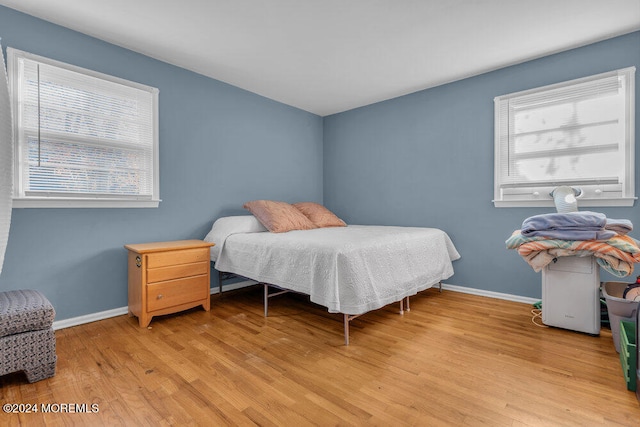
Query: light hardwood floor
[(454, 359)]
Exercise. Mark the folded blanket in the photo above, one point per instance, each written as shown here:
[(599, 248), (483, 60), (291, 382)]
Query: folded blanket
[(581, 219), (616, 255), (582, 225), (539, 260)]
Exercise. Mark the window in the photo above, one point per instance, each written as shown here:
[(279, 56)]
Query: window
[(82, 139), (578, 133)]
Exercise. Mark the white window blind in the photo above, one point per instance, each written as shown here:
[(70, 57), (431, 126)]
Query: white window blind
[(82, 136), (578, 133)]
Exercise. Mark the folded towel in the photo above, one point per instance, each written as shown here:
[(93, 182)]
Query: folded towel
[(575, 234), (620, 226)]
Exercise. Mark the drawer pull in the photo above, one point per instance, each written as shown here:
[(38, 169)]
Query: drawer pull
[(138, 261), (159, 296)]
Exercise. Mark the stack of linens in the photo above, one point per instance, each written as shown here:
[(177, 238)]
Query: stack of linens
[(542, 238)]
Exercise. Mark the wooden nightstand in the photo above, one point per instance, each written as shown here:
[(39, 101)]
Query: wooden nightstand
[(167, 277)]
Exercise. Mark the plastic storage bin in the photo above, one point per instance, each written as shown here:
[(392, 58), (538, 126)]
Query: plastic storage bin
[(628, 353), (638, 354), (618, 308)]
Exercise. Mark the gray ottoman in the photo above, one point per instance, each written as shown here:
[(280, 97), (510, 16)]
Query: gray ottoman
[(27, 340)]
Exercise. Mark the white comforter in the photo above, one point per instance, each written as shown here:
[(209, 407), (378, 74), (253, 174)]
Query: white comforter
[(349, 270)]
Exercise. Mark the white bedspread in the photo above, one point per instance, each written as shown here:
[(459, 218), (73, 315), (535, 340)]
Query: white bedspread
[(349, 270)]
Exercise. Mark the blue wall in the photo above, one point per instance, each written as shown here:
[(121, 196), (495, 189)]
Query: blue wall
[(219, 147), (426, 159)]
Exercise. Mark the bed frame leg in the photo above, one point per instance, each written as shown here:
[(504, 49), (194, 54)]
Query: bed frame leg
[(440, 286), (266, 299), (402, 309), (346, 329)]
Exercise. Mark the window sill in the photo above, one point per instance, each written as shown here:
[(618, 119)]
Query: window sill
[(83, 203), (582, 203)]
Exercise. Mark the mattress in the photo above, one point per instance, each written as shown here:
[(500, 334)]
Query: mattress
[(348, 270)]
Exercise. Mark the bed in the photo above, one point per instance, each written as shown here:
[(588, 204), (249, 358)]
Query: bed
[(349, 270)]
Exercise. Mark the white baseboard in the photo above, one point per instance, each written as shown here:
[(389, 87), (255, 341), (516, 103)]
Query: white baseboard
[(88, 318), (93, 317), (490, 294), (237, 285)]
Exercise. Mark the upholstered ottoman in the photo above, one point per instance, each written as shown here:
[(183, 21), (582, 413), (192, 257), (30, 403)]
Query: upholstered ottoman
[(27, 340)]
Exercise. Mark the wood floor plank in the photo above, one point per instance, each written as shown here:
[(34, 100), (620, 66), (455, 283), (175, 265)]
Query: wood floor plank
[(454, 359)]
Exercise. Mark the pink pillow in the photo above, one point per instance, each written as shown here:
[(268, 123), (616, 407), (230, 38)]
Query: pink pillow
[(319, 215), (278, 217)]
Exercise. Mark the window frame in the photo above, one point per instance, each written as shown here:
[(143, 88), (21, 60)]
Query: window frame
[(81, 200), (541, 197)]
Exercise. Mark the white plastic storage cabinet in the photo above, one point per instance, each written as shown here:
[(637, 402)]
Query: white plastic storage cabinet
[(571, 294)]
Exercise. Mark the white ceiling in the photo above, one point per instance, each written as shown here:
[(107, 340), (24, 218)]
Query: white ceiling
[(328, 56)]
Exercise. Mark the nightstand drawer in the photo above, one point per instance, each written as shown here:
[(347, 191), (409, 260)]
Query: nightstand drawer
[(185, 256), (175, 292), (176, 271)]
